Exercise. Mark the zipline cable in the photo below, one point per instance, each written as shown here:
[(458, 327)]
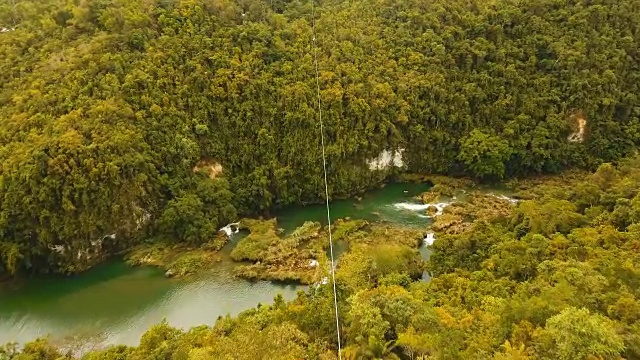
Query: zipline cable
[(324, 168)]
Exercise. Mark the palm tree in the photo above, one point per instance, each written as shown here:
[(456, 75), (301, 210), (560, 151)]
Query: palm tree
[(376, 349)]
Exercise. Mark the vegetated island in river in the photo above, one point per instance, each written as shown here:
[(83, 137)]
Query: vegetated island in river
[(265, 253)]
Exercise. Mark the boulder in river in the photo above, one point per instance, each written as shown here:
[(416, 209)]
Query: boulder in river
[(429, 196), (169, 273), (432, 210)]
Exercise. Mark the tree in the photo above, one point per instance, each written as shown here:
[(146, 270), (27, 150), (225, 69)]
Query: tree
[(510, 352), (153, 88), (547, 218), (484, 155), (366, 323), (579, 334), (194, 218)]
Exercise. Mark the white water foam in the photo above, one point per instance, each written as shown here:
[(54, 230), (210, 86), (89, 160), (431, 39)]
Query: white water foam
[(422, 207), (231, 229), (412, 207), (429, 239), (503, 197)]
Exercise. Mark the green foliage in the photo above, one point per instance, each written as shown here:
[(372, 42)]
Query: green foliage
[(296, 257), (177, 260), (467, 250), (170, 117), (376, 251), (364, 265), (113, 353), (40, 349), (484, 155), (556, 288), (578, 334), (109, 108), (194, 218), (189, 263), (342, 229), (157, 343), (366, 323), (547, 218), (262, 234), (10, 254)]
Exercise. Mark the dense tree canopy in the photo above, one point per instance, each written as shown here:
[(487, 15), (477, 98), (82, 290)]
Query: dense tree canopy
[(110, 110), (167, 118)]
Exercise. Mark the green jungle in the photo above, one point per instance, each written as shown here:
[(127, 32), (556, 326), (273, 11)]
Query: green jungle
[(140, 128)]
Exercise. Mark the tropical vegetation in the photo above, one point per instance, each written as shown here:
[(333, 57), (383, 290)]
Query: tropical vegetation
[(554, 276), (155, 122), (125, 120)]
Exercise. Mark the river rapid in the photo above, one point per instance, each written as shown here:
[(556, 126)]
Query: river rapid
[(116, 304)]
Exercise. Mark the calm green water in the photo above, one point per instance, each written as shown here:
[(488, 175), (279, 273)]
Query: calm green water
[(380, 204), (115, 304)]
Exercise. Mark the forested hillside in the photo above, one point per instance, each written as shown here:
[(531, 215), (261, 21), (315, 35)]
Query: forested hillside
[(176, 115)]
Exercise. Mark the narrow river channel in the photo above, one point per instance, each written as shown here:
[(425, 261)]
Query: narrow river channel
[(116, 304)]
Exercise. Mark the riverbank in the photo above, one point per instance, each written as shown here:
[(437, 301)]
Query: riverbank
[(177, 260), (288, 220), (391, 221), (386, 224), (119, 302), (287, 261), (521, 254)]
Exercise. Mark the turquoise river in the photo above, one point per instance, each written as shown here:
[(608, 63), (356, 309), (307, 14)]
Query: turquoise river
[(116, 304)]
